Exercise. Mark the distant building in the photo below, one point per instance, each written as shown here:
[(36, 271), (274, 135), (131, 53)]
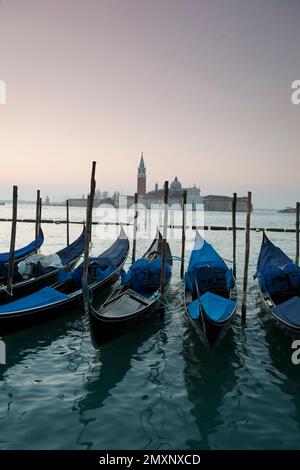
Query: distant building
[(82, 202), (141, 177), (214, 202), (156, 196)]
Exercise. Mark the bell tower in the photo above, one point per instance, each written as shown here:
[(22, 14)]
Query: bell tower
[(141, 177)]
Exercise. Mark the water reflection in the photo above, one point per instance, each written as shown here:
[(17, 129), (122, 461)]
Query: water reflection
[(208, 375), (109, 367), (286, 374)]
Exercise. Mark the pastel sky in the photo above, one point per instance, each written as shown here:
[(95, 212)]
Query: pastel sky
[(202, 87)]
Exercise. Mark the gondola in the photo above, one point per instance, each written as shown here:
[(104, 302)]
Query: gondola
[(134, 299), (66, 295), (279, 283), (210, 293), (22, 253), (41, 275)]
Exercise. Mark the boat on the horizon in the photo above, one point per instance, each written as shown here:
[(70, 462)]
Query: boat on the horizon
[(288, 210)]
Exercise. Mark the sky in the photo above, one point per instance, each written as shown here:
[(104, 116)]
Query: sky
[(202, 87)]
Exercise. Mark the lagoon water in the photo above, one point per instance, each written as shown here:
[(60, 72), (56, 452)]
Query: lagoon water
[(156, 387)]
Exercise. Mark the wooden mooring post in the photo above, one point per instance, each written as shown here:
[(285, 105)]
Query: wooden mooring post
[(234, 201), (164, 242), (184, 197), (297, 231), (247, 253), (136, 213), (68, 222), (11, 261), (87, 239), (37, 220)]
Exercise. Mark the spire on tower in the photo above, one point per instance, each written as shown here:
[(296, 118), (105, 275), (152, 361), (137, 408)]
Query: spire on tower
[(142, 168)]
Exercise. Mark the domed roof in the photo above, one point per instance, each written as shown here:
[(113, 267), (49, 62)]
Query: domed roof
[(175, 185)]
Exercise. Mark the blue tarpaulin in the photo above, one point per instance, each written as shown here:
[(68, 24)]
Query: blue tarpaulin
[(102, 266), (289, 311), (144, 275), (204, 254), (216, 307), (26, 250), (276, 272), (207, 267), (73, 251), (194, 309), (44, 296)]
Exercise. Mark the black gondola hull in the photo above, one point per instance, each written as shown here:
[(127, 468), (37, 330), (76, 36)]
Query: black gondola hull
[(10, 323), (285, 325), (278, 303), (104, 330), (110, 321), (27, 287), (209, 331)]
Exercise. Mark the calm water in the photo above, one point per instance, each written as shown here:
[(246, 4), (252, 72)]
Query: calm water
[(157, 387)]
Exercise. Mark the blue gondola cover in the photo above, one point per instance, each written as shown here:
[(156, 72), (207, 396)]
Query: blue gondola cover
[(145, 275), (216, 307), (289, 311), (44, 296), (276, 272), (73, 251), (207, 266), (26, 250)]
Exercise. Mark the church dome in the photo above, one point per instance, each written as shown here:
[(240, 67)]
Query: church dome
[(175, 185)]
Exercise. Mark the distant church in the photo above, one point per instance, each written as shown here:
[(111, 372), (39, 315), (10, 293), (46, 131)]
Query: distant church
[(156, 196)]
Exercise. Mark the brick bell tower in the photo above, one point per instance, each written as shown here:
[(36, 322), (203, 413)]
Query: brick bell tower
[(141, 177)]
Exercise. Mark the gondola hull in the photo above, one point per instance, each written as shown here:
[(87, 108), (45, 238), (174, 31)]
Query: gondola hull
[(210, 297), (210, 332), (19, 321), (105, 329), (279, 285), (283, 324), (22, 253), (125, 309), (63, 297), (27, 286)]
